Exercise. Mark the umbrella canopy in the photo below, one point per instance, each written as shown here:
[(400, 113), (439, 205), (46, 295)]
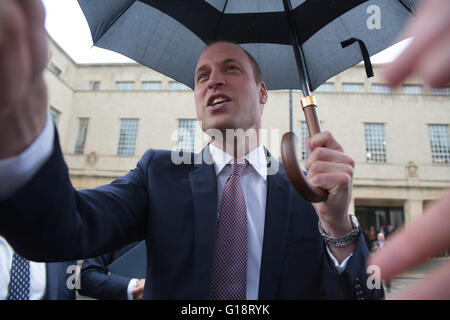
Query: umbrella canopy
[(169, 36)]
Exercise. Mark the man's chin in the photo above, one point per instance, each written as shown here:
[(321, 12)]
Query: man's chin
[(220, 126)]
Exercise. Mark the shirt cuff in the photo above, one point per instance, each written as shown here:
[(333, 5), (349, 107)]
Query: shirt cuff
[(339, 267), (16, 171), (131, 286)]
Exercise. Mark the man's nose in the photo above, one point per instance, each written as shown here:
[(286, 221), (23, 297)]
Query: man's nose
[(216, 79)]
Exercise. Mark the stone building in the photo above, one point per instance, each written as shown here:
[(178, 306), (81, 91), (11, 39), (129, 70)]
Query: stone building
[(108, 115)]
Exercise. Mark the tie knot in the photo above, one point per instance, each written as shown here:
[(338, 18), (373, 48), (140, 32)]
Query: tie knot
[(238, 166)]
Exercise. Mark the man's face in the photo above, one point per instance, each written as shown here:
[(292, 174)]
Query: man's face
[(226, 94)]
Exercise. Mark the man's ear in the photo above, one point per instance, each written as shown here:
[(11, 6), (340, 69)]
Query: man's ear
[(263, 96)]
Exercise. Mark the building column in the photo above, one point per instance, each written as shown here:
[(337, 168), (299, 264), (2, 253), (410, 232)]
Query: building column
[(413, 210), (351, 206)]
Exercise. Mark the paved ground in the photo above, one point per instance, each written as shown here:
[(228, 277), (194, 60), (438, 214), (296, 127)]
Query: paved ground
[(404, 280)]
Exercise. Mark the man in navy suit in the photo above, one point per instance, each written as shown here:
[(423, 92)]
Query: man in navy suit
[(97, 281), (184, 210)]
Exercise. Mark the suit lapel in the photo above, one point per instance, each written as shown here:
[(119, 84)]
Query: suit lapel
[(275, 233), (204, 192)]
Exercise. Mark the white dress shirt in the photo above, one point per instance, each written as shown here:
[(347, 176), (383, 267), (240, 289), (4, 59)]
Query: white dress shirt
[(17, 171), (38, 276)]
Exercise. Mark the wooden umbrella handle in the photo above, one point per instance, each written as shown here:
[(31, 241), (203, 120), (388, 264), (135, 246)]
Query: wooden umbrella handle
[(289, 155)]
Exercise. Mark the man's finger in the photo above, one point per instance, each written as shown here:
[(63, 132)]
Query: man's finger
[(423, 238), (137, 292), (330, 181), (328, 155), (318, 167), (324, 139)]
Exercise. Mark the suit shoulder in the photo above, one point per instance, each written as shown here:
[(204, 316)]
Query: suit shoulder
[(160, 157)]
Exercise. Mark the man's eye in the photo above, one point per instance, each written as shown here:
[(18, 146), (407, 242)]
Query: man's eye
[(202, 75), (231, 67)]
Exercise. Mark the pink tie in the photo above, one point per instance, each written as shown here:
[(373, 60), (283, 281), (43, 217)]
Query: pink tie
[(230, 265)]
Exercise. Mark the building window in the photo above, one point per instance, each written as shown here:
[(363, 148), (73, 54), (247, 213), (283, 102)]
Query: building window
[(127, 137), (381, 88), (177, 86), (186, 135), (81, 136), (352, 87), (151, 85), (325, 87), (124, 85), (305, 133), (441, 91), (440, 146), (55, 114), (412, 89), (94, 85), (55, 70), (375, 142)]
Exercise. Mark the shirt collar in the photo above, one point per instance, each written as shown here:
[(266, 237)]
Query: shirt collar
[(257, 158)]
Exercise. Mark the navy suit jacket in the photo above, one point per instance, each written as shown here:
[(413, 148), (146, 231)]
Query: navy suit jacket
[(174, 208), (98, 282)]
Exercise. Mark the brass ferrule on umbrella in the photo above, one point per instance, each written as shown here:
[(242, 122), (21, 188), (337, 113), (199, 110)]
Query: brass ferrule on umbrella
[(308, 101)]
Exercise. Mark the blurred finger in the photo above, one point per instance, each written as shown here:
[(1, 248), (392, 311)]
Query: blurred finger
[(434, 67), (15, 66), (34, 12), (431, 23), (425, 237), (433, 287)]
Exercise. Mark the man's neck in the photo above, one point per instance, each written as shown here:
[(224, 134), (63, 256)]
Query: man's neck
[(237, 147)]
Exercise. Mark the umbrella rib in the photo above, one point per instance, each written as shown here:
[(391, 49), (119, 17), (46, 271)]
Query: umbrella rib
[(114, 21), (220, 20), (407, 7)]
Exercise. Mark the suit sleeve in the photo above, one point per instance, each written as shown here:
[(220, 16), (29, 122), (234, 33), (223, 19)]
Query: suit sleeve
[(353, 282), (97, 282), (48, 220)]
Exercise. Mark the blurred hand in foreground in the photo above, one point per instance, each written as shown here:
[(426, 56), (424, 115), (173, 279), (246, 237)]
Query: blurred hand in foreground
[(423, 238), (428, 56)]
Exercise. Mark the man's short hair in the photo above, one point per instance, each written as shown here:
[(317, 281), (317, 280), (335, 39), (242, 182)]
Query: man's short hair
[(257, 74)]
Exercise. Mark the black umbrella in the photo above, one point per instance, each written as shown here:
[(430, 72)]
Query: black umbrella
[(299, 44)]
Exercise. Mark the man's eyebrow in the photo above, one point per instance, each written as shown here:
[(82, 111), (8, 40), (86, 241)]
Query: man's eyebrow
[(228, 60), (201, 68)]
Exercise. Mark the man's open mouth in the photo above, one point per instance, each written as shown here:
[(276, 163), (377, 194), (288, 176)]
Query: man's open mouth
[(217, 102)]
